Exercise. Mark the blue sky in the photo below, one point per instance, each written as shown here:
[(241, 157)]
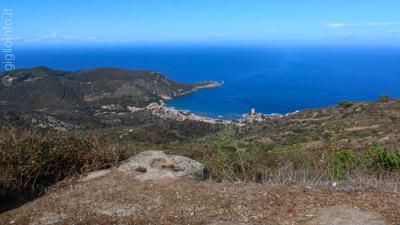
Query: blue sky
[(86, 22)]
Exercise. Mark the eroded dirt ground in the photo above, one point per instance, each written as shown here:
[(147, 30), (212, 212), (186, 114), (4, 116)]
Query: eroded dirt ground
[(121, 199)]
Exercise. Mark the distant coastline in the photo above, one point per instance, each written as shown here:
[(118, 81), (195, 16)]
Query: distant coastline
[(272, 80), (165, 111)]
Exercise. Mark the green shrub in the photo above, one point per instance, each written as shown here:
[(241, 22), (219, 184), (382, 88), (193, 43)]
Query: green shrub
[(384, 98), (316, 137), (344, 162), (268, 146), (327, 135), (365, 134), (346, 159), (381, 158), (322, 115), (345, 103), (343, 137)]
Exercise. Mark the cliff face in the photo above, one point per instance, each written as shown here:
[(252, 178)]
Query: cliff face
[(41, 89)]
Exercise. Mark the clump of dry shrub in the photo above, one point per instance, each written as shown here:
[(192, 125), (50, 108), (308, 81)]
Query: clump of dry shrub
[(32, 160)]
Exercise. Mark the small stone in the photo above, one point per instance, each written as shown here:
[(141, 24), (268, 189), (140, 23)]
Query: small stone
[(119, 212), (141, 169), (52, 218), (96, 174), (384, 139), (110, 212)]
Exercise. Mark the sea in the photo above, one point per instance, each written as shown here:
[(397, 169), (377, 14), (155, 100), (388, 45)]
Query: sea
[(271, 79)]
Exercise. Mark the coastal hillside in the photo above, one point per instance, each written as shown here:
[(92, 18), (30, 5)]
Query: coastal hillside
[(302, 167), (50, 152), (44, 88), (72, 96)]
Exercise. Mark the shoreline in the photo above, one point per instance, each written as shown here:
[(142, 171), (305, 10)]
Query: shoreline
[(211, 84), (220, 117), (165, 111)]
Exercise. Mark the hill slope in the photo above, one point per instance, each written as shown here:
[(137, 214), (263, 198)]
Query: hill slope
[(66, 93), (41, 87)]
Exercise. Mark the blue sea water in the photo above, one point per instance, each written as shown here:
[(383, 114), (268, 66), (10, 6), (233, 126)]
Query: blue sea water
[(269, 79)]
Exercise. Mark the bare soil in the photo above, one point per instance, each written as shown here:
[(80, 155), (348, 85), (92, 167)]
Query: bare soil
[(119, 198)]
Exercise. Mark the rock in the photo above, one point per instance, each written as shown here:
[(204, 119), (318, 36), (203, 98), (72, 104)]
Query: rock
[(51, 218), (383, 140), (109, 212), (96, 174), (343, 215), (119, 212), (162, 163), (127, 166), (141, 169), (156, 165)]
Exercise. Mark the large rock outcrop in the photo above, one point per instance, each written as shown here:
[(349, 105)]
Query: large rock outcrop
[(157, 164), (154, 165)]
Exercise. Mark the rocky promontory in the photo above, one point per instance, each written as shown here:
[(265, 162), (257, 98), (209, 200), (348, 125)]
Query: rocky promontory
[(197, 86)]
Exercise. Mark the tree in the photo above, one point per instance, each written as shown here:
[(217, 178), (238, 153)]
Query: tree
[(384, 98)]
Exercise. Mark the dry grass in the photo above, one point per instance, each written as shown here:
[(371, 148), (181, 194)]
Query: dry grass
[(32, 160), (276, 152)]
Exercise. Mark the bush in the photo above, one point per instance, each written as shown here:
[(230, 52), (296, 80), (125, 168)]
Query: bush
[(343, 137), (384, 98), (327, 135), (346, 159), (344, 162), (380, 157), (32, 161), (345, 103)]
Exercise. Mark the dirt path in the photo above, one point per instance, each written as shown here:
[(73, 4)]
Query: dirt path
[(119, 198)]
